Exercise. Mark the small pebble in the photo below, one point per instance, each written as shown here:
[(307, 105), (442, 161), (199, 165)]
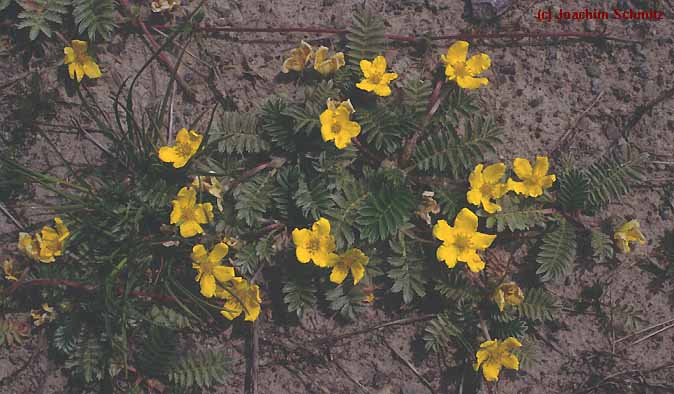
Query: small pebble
[(596, 86)]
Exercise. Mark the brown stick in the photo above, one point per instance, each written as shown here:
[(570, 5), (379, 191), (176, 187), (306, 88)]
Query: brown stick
[(162, 56), (252, 349), (573, 127), (410, 366), (273, 163), (409, 320)]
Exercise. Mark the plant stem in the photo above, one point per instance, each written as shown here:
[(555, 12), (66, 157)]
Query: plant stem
[(411, 144), (274, 163)]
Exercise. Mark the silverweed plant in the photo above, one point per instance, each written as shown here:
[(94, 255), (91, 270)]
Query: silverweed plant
[(371, 187)]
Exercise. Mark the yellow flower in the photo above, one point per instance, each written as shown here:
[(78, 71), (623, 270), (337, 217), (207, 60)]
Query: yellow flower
[(316, 244), (485, 184), (188, 214), (79, 62), (187, 144), (52, 241), (336, 124), (40, 318), (461, 242), (508, 293), (240, 296), (164, 5), (464, 71), (354, 260), (8, 269), (211, 185), (328, 65), (299, 57), (29, 246), (209, 269), (494, 355), (626, 233), (534, 180), (376, 78)]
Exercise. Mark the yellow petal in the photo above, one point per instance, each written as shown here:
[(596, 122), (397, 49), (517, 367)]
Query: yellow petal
[(379, 64), (358, 271), (448, 254), (218, 253), (467, 82), (476, 179), (223, 274), (482, 241), (321, 55), (522, 168), (199, 253), (187, 196), (190, 229), (511, 343), (547, 181), (442, 231), (69, 55), (321, 226), (456, 53), (301, 237), (303, 255), (510, 361), (474, 196), (92, 70), (489, 206), (366, 67), (478, 63), (482, 356), (366, 85), (207, 285), (450, 72), (382, 90), (490, 370), (474, 262), (338, 273), (80, 47), (324, 259), (541, 166), (466, 220), (168, 154), (232, 309), (388, 77), (494, 172), (176, 213)]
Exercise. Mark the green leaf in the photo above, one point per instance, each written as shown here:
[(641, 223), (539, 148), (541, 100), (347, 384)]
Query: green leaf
[(557, 252), (158, 353), (573, 191), (602, 246), (406, 271), (347, 300), (4, 4), (254, 197), (67, 334), (240, 133), (538, 305), (299, 294), (515, 215), (95, 17), (313, 200), (365, 39), (610, 176), (343, 215), (41, 16), (384, 212), (169, 318), (416, 96), (440, 333), (447, 149), (382, 128), (202, 369)]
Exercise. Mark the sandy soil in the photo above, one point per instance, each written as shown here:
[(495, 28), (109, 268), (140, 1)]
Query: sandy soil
[(538, 92)]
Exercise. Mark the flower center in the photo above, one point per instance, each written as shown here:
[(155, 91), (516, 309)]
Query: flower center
[(314, 245), (462, 242), (206, 267), (188, 214), (461, 70), (335, 128), (183, 150), (486, 189), (376, 78)]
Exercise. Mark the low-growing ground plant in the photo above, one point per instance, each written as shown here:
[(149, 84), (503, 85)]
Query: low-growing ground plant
[(366, 186)]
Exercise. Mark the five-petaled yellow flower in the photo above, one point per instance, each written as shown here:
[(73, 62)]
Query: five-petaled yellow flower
[(463, 71), (187, 144), (46, 245), (299, 57), (485, 184), (626, 233), (534, 180), (164, 5), (79, 62), (211, 185), (327, 65), (336, 124), (461, 242), (40, 318), (316, 244), (240, 296), (376, 79), (508, 293), (189, 215), (494, 354), (209, 269), (354, 260), (8, 270)]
